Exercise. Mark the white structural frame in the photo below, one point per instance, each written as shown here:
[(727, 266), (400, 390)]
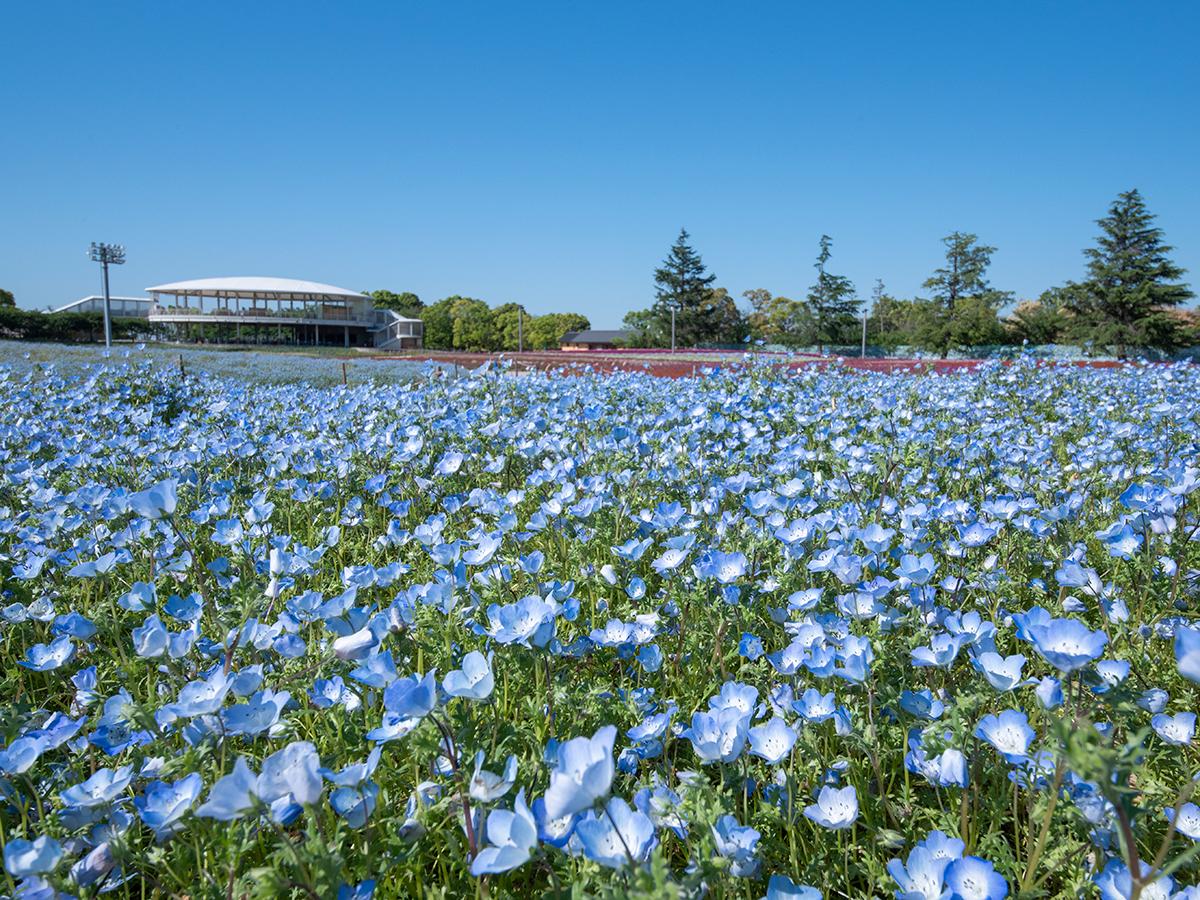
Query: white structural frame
[(298, 312)]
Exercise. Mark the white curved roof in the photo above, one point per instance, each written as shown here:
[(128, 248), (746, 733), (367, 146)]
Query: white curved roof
[(253, 286)]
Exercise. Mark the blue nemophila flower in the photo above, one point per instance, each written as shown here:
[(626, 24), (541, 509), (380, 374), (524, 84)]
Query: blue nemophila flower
[(813, 706), (47, 657), (718, 736), (103, 787), (513, 837), (921, 876), (358, 645), (582, 774), (726, 568), (671, 559), (750, 646), (1049, 692), (780, 887), (1115, 882), (772, 741), (355, 795), (162, 805), (941, 652), (376, 671), (151, 639), (24, 858), (412, 697), (1008, 732), (289, 777), (364, 890), (616, 837), (488, 787), (1177, 729), (20, 756), (737, 843), (473, 680), (1067, 644), (922, 704), (520, 622), (947, 769), (1187, 822), (1187, 652), (1120, 540), (916, 570), (835, 808), (155, 502), (972, 878), (1002, 672), (261, 712)]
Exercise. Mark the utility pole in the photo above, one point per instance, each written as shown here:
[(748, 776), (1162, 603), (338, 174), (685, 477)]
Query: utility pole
[(520, 329), (864, 341), (106, 255), (672, 329)]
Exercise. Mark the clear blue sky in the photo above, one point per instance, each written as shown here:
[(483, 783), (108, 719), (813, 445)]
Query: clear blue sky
[(549, 153)]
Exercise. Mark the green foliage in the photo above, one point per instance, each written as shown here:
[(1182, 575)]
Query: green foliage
[(471, 327), (464, 323), (779, 320), (7, 299), (965, 273), (439, 324), (1131, 283), (545, 332), (831, 300), (703, 314), (1037, 321), (406, 303), (29, 325), (510, 323)]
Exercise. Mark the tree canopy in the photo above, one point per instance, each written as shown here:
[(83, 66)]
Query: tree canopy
[(1131, 283)]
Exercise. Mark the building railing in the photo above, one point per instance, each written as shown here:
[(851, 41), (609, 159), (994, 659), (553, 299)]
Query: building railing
[(320, 311)]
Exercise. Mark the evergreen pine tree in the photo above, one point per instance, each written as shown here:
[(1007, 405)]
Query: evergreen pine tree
[(965, 273), (1131, 281), (832, 300), (683, 284)]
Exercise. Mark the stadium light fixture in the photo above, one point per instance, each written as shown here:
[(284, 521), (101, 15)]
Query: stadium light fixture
[(107, 255)]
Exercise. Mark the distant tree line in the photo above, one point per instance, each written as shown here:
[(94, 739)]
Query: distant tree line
[(1129, 298), (464, 323), (67, 327)]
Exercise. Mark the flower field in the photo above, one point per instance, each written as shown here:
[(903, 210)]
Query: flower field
[(761, 633)]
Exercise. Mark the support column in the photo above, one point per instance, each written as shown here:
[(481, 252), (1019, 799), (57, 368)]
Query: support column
[(346, 335)]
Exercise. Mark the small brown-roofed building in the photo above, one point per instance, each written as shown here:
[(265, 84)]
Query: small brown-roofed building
[(593, 339)]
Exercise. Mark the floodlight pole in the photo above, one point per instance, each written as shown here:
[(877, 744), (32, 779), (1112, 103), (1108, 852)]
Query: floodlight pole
[(107, 308), (105, 254)]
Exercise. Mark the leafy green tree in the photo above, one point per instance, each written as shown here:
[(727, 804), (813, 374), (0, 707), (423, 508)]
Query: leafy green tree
[(891, 321), (779, 320), (7, 298), (438, 322), (407, 303), (545, 332), (1039, 321), (721, 320), (1131, 283), (505, 327), (648, 330), (965, 273), (831, 300), (471, 325), (684, 284)]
